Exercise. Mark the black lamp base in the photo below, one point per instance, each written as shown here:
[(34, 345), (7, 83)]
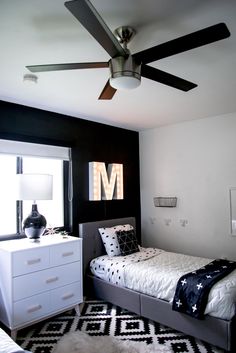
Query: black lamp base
[(35, 224)]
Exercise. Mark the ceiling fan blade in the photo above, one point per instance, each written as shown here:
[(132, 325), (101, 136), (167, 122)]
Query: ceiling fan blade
[(190, 41), (107, 92), (166, 78), (72, 66), (88, 16)]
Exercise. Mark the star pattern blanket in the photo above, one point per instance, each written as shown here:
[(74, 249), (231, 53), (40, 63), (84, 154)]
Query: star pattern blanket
[(192, 289), (156, 272)]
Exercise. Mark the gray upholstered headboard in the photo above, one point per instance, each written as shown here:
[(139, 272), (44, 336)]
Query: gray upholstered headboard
[(92, 244)]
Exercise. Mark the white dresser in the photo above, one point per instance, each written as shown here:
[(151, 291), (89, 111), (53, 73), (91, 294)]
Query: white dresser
[(39, 280)]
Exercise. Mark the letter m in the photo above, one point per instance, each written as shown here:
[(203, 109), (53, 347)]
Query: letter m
[(105, 185)]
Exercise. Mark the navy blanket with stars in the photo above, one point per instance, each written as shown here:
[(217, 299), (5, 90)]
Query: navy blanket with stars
[(192, 289)]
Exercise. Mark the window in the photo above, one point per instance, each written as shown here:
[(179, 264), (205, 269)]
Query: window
[(18, 157)]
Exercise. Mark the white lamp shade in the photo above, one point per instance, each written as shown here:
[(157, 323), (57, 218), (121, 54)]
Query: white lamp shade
[(34, 186)]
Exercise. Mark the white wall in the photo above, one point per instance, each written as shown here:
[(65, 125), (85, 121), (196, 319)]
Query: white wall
[(195, 161)]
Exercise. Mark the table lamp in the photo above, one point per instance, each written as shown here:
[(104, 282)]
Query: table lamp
[(34, 187)]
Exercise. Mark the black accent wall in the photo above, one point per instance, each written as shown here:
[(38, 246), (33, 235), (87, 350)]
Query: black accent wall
[(89, 141)]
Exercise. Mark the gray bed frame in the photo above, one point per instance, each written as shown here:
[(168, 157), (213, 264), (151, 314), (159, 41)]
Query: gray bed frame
[(218, 332)]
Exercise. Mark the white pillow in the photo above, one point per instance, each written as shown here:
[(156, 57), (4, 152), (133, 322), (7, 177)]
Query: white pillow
[(109, 238)]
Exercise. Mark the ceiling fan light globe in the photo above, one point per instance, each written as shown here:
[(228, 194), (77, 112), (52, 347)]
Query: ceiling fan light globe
[(125, 82)]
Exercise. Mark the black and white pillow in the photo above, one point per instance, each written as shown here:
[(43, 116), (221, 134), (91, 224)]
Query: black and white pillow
[(110, 240), (127, 241)]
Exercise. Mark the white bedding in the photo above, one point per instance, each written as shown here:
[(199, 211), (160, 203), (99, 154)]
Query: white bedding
[(7, 345), (155, 272)]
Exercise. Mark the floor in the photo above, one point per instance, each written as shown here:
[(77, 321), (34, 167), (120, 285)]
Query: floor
[(99, 318)]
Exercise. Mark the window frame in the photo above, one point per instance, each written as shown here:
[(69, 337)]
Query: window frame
[(19, 204)]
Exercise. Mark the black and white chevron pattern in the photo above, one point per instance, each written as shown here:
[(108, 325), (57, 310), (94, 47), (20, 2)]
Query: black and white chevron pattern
[(99, 318)]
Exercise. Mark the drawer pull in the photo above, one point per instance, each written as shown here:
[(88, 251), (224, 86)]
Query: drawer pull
[(69, 253), (68, 296), (34, 308), (33, 261), (52, 279)]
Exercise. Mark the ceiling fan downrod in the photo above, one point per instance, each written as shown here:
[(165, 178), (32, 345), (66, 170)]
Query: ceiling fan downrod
[(124, 34)]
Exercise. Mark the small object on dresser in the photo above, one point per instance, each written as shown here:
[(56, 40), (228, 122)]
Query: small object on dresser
[(165, 201), (56, 231), (51, 231)]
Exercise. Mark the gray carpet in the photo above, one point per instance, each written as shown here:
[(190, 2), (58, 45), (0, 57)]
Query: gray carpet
[(99, 318)]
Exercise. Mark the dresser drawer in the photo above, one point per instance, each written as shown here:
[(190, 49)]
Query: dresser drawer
[(30, 260), (31, 308), (42, 281), (66, 296), (64, 253)]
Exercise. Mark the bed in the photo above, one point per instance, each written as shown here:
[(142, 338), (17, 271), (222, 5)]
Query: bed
[(7, 345), (219, 332)]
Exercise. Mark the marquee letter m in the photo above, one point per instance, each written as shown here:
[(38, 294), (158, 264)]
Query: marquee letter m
[(105, 185)]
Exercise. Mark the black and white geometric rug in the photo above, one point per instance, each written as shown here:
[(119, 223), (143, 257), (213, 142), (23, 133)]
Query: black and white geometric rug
[(99, 318)]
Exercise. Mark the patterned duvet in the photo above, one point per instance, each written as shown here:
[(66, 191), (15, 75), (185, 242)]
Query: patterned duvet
[(155, 272)]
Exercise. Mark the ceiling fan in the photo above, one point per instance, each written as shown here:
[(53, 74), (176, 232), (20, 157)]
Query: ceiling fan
[(126, 69)]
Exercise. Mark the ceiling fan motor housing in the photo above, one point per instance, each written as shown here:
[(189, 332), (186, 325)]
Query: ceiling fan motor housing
[(125, 72)]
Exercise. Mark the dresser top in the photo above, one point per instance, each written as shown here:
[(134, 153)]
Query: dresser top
[(47, 240)]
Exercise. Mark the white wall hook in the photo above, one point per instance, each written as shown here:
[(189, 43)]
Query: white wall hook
[(167, 221), (183, 222)]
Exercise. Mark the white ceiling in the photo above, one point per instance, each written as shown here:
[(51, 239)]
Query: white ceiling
[(36, 32)]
